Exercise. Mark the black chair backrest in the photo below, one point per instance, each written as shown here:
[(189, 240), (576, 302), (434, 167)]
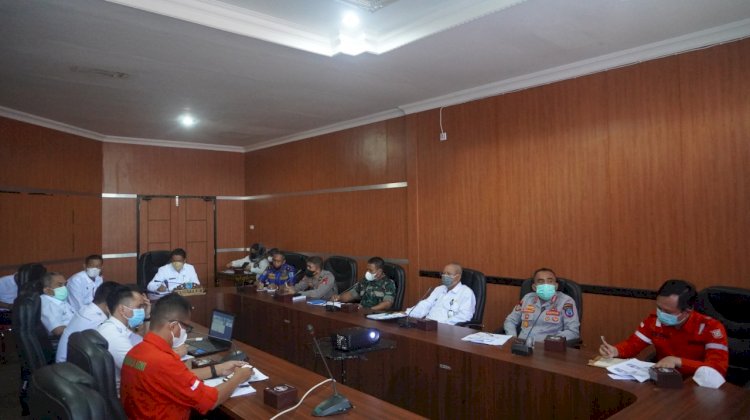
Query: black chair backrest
[(148, 265), (344, 269), (88, 350), (299, 262), (65, 392), (29, 277), (396, 273), (729, 306), (32, 339), (478, 283), (569, 287)]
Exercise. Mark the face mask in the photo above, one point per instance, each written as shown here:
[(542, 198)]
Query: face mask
[(61, 293), (270, 259), (178, 341), (667, 319), (309, 273), (93, 272), (139, 314), (369, 276), (446, 280), (545, 291), (177, 265)]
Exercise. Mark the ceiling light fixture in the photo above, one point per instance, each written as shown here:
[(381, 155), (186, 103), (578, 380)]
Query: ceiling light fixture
[(350, 19), (187, 120)]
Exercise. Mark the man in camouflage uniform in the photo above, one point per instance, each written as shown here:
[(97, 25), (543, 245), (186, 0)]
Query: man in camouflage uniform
[(546, 310), (376, 291)]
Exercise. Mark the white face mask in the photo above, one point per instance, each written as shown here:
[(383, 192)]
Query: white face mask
[(178, 341), (369, 276), (270, 259), (93, 271)]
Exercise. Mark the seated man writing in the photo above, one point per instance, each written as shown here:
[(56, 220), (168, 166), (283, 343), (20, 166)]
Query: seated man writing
[(683, 338), (450, 303), (178, 274), (317, 283), (545, 310), (376, 292), (278, 274)]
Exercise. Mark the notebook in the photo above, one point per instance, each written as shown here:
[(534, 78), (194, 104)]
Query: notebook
[(219, 336)]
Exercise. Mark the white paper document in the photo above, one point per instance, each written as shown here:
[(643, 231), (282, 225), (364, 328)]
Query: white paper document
[(243, 389), (631, 369), (386, 315), (488, 338)]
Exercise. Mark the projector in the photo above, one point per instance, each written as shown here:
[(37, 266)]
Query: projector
[(355, 338)]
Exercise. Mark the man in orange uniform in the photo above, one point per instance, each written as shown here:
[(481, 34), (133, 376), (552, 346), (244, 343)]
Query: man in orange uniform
[(684, 339), (155, 384)]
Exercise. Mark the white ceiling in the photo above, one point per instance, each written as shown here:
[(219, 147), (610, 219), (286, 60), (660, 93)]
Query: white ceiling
[(249, 93)]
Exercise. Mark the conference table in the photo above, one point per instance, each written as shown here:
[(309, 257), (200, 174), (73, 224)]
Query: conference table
[(437, 375), (281, 371)]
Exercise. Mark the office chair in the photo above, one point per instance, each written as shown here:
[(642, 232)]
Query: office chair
[(478, 284), (88, 350), (299, 262), (148, 265), (63, 391), (570, 288), (729, 306), (29, 277), (396, 273), (344, 269)]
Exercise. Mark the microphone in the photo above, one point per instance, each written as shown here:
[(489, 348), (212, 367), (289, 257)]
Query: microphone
[(523, 349), (406, 323), (336, 403)]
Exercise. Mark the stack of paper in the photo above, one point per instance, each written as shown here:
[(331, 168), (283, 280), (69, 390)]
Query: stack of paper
[(244, 388), (629, 370), (488, 338), (386, 315)]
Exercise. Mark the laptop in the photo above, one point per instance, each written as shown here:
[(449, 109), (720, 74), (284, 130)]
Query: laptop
[(219, 336)]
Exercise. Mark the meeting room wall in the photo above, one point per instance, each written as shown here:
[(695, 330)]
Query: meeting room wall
[(50, 204), (150, 170), (336, 194)]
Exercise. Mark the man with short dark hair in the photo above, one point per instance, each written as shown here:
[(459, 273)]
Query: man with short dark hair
[(128, 310), (683, 338), (450, 303), (178, 274), (317, 283), (157, 385), (278, 273), (376, 292), (88, 318), (56, 312), (82, 285), (546, 310)]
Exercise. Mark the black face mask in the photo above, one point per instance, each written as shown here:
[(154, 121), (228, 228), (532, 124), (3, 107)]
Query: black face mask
[(309, 273)]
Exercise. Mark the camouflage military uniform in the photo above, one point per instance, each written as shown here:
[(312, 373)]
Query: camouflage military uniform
[(373, 292), (560, 317)]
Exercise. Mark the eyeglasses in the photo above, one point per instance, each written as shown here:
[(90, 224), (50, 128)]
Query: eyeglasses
[(187, 327)]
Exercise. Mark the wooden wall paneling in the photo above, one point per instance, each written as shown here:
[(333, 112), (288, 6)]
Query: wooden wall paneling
[(147, 170), (119, 230), (121, 270), (412, 126), (38, 157), (231, 229), (354, 223), (198, 231), (714, 92), (87, 224), (67, 269), (646, 181), (613, 317)]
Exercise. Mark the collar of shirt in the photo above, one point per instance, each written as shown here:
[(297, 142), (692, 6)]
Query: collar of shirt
[(92, 312), (119, 326), (160, 344), (53, 299)]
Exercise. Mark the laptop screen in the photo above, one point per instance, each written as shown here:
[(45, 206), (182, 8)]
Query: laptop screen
[(222, 324)]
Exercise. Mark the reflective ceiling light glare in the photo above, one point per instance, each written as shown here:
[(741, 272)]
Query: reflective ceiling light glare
[(187, 120), (350, 19)]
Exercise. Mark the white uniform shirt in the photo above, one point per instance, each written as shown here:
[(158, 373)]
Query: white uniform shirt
[(8, 290), (81, 289), (121, 339), (446, 306), (170, 277), (262, 264), (55, 313), (88, 318)]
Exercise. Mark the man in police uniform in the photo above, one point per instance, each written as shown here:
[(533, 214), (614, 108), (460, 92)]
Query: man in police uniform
[(376, 291), (683, 338), (546, 310), (157, 385), (278, 274), (317, 283)]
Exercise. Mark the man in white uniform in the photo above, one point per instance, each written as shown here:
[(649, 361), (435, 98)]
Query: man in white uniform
[(82, 285), (176, 275), (56, 312), (450, 303), (256, 262), (128, 310), (88, 318), (8, 293)]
